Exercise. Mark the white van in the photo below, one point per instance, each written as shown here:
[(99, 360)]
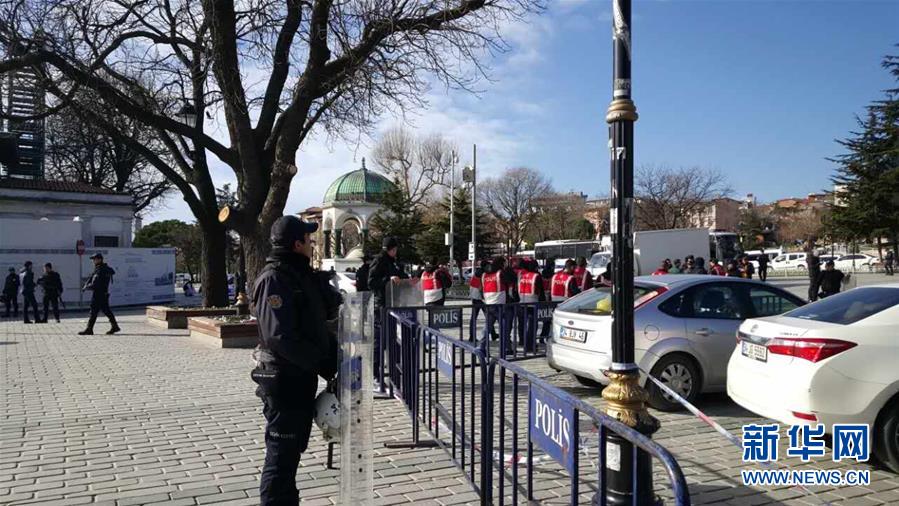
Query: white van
[(788, 261)]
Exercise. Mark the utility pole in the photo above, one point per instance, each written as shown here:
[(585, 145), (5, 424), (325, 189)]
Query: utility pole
[(452, 237), (625, 397), (474, 206)]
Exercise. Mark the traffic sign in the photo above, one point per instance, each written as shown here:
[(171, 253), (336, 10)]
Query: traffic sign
[(79, 247)]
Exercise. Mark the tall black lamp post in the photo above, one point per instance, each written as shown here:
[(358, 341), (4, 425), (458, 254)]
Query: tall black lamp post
[(626, 399)]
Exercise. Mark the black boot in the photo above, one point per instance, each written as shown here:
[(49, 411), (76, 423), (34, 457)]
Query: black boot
[(113, 330), (86, 332)]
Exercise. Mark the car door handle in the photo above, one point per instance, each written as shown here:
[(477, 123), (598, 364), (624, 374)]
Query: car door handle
[(704, 332)]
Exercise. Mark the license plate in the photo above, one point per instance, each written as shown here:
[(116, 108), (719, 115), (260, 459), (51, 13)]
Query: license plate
[(573, 334), (755, 351)]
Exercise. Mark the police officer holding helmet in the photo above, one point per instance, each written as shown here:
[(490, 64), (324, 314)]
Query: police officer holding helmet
[(297, 311)]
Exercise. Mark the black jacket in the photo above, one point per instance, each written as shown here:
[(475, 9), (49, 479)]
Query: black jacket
[(829, 281), (28, 283), (362, 278), (100, 280), (383, 268), (52, 284), (11, 285), (293, 305)]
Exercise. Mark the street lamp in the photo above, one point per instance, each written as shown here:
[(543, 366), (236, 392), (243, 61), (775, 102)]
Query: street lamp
[(625, 397), (187, 114)]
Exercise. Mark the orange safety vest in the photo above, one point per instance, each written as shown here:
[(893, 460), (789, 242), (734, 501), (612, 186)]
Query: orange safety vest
[(561, 286), (494, 288), (431, 287), (474, 288), (527, 288), (581, 275)]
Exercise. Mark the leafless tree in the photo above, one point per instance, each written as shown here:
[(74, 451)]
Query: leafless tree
[(511, 200), (671, 198), (80, 151), (276, 71), (418, 164), (805, 226), (556, 216)]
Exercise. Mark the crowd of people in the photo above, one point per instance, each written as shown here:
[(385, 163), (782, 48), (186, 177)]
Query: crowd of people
[(738, 268)]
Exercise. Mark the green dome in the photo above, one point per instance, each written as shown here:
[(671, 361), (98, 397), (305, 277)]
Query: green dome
[(358, 186)]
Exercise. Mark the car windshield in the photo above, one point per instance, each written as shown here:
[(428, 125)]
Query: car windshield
[(598, 301), (849, 307), (351, 275)]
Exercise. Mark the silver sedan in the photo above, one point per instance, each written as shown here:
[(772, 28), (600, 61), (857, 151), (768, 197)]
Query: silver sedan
[(685, 328)]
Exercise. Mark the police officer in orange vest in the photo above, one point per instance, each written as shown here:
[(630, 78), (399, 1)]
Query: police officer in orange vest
[(530, 291), (496, 283), (582, 275), (564, 283), (475, 292), (432, 285)]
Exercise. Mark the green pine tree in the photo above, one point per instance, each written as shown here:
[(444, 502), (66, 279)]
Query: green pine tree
[(398, 218), (431, 242)]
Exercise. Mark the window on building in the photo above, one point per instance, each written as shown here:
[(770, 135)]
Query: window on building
[(106, 241)]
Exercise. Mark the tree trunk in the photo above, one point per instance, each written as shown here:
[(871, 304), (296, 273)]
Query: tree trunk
[(213, 270), (256, 247)]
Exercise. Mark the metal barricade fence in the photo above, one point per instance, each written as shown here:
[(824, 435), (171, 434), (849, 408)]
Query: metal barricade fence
[(552, 427), (460, 395)]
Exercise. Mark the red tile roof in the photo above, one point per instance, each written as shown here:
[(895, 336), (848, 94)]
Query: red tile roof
[(54, 186)]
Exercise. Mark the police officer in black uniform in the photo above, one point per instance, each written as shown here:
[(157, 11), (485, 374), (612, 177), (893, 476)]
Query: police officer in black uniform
[(51, 282), (98, 284), (11, 292), (297, 309), (28, 286)]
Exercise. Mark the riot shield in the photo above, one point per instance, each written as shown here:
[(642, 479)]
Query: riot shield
[(356, 336), (405, 293)]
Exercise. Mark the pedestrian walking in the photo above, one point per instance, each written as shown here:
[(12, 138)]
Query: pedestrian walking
[(716, 269), (763, 266), (296, 311), (497, 283), (11, 292), (546, 275), (98, 284), (28, 300), (530, 291), (51, 282), (475, 292), (813, 263), (830, 280), (889, 262)]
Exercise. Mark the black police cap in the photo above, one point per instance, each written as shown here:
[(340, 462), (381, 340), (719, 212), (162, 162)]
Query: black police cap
[(288, 229)]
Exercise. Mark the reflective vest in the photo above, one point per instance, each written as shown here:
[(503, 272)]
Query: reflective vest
[(561, 286), (474, 288), (431, 287), (527, 286), (582, 275), (494, 289)]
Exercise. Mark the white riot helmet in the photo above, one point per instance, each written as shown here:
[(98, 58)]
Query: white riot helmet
[(327, 413)]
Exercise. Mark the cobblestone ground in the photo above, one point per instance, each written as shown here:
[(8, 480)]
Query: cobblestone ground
[(150, 416)]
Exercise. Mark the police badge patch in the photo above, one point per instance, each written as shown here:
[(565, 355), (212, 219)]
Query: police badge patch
[(275, 301)]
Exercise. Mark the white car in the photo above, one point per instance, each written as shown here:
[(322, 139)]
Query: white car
[(855, 261), (832, 361), (345, 282), (788, 261)]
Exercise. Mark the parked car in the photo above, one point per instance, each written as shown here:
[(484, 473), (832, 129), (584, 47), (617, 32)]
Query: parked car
[(345, 282), (789, 261), (855, 261), (832, 361), (684, 325)]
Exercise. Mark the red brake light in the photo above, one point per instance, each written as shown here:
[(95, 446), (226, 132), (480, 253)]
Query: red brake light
[(805, 416), (649, 296), (812, 349)]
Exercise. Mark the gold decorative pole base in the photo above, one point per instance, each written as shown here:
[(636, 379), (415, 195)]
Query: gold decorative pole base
[(626, 401)]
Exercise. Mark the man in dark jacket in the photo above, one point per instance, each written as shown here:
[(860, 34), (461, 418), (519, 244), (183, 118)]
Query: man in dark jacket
[(384, 270), (296, 311), (814, 274), (28, 286), (830, 280), (362, 274), (52, 285), (98, 284), (763, 266), (11, 292)]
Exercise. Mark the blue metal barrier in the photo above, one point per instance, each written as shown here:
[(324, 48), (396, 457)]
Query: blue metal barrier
[(553, 426), (459, 394)]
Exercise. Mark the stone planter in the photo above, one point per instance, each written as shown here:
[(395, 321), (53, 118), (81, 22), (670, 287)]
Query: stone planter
[(222, 333), (176, 317)]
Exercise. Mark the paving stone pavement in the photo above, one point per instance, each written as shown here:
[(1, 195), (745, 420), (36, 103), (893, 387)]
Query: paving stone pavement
[(150, 416)]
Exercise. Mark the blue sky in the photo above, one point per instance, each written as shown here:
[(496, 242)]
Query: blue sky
[(758, 90)]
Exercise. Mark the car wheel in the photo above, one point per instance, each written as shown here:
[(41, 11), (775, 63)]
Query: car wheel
[(886, 437), (801, 267), (679, 373), (587, 382)]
